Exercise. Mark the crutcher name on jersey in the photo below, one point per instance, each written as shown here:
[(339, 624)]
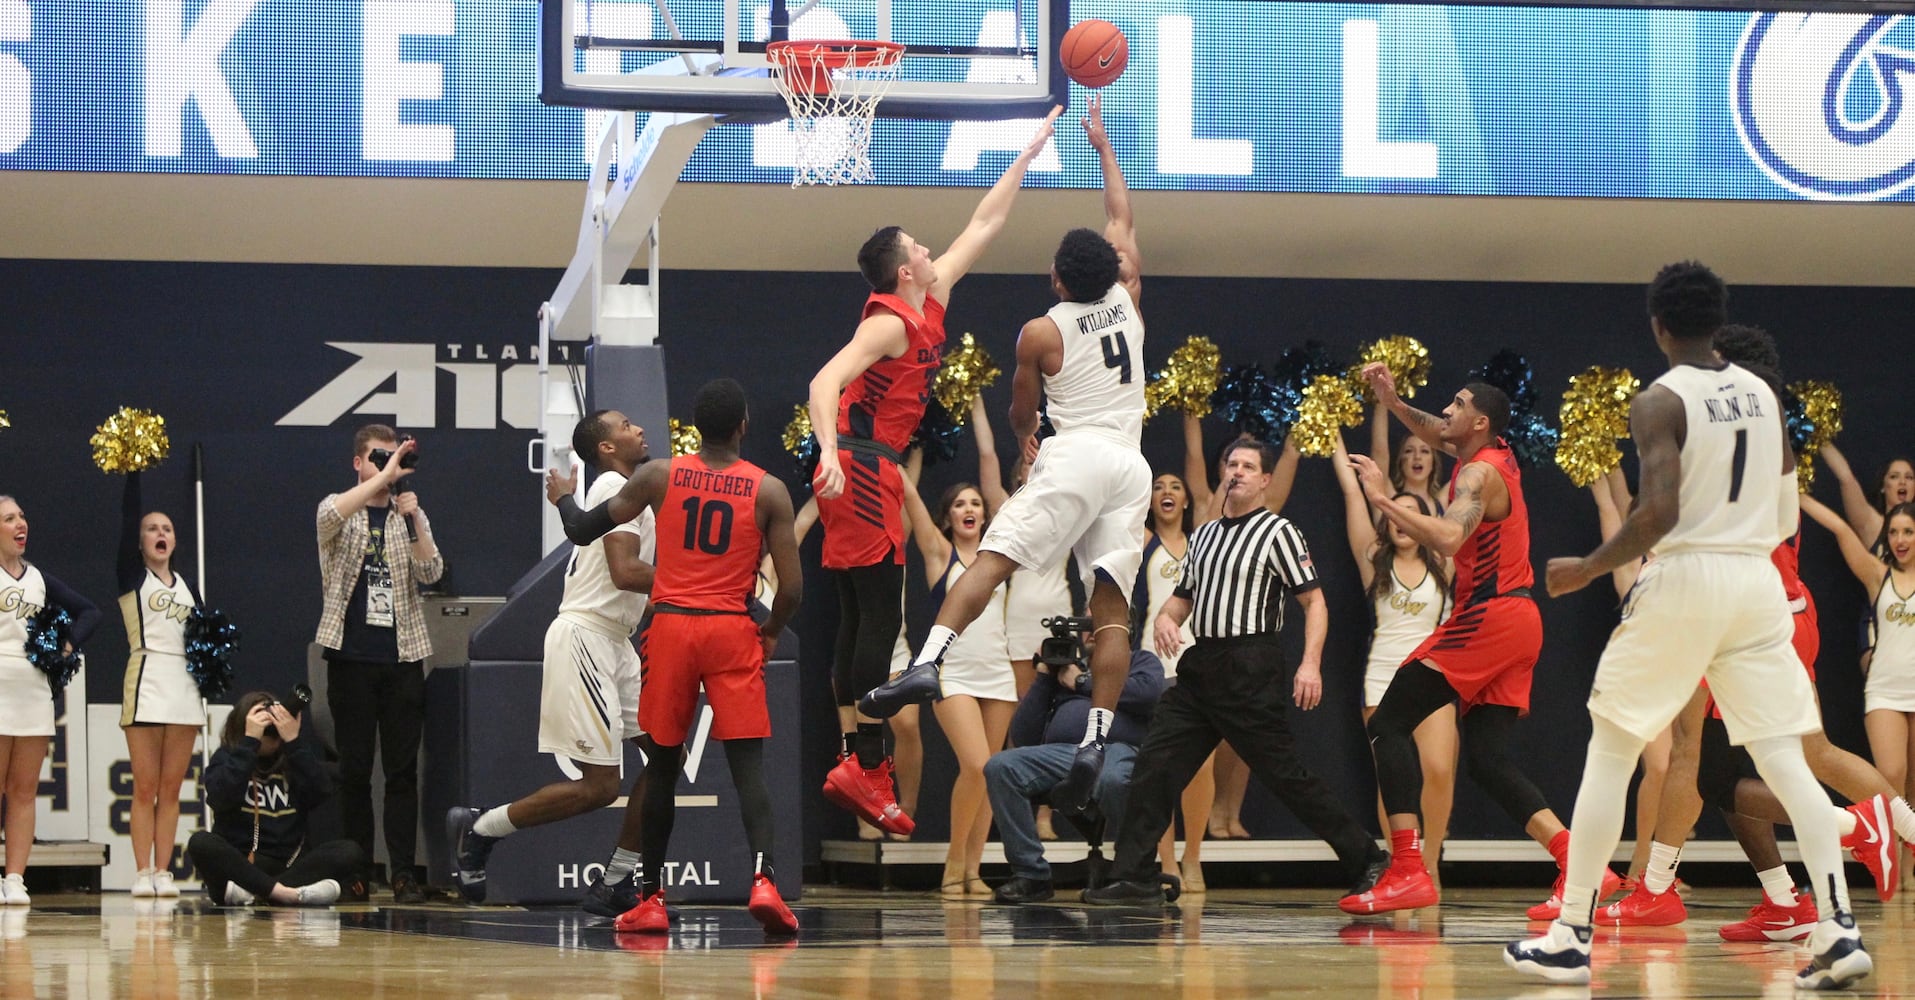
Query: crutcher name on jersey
[(713, 483), (1092, 322), (1729, 409)]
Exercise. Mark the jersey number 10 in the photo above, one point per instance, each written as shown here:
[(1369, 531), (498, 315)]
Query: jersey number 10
[(707, 530)]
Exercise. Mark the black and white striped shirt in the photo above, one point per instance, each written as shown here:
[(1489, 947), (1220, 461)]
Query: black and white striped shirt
[(1237, 571)]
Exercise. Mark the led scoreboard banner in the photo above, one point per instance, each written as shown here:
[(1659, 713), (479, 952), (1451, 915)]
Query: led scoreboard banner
[(1553, 100)]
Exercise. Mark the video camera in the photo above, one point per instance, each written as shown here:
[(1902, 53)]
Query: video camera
[(302, 697), (1065, 647)]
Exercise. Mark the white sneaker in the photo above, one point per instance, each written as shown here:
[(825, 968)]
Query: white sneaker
[(324, 892), (13, 891), (236, 895), (1561, 955), (1838, 958), (163, 886), (143, 884)]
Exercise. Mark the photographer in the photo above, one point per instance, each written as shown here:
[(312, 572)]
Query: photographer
[(261, 783), (1046, 730), (373, 628)]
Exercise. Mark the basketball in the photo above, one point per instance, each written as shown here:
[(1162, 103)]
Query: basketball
[(1094, 53)]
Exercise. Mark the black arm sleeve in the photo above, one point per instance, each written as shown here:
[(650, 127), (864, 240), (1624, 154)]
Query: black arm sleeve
[(86, 617), (585, 527), (227, 773), (312, 784), (131, 569)]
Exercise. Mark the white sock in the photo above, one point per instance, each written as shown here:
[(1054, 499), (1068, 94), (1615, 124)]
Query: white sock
[(1778, 886), (1607, 769), (939, 640), (1780, 762), (1845, 821), (1660, 873), (1903, 817), (623, 863), (494, 823), (1097, 726)]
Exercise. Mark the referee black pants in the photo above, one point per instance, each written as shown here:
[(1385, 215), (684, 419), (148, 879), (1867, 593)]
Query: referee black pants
[(1235, 690)]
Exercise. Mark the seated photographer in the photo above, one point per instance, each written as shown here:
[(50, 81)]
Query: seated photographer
[(1048, 726), (262, 783)]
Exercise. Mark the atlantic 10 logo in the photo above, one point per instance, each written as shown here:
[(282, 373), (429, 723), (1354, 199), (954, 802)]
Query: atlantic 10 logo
[(1819, 102)]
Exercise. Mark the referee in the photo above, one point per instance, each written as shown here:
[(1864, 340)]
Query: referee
[(1230, 684)]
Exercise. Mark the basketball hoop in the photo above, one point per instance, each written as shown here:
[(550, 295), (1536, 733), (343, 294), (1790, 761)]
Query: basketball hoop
[(832, 89)]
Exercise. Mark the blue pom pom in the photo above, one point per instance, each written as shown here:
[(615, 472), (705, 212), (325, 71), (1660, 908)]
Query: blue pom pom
[(1532, 440), (211, 643), (1510, 372), (938, 434), (1801, 428), (808, 459), (1253, 403), (48, 633)]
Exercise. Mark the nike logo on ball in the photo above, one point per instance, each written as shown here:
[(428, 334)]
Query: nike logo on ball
[(1103, 62)]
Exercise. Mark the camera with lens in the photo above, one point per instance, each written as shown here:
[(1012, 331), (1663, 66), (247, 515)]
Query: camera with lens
[(1065, 647), (380, 456), (302, 697)]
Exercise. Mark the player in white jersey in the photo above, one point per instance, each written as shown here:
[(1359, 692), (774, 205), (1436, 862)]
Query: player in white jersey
[(1718, 494), (1089, 486), (588, 704)]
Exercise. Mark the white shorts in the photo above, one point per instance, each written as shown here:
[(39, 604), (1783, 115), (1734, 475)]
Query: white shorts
[(588, 705), (26, 700), (1086, 494), (158, 690), (1706, 615)]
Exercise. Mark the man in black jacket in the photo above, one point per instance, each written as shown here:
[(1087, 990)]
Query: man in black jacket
[(1046, 730)]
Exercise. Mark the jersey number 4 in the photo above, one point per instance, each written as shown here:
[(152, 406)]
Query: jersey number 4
[(1117, 355), (707, 526)]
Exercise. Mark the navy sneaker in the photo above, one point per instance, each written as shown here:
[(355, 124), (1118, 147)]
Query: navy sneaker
[(1078, 790), (1561, 955), (1838, 961), (610, 900), (470, 851), (915, 685)]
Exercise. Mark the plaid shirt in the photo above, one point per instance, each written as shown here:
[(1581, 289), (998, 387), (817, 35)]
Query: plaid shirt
[(342, 548)]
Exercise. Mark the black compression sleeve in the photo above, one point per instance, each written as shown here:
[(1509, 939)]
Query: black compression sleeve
[(587, 526)]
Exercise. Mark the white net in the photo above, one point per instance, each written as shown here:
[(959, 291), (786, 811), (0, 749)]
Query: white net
[(832, 90)]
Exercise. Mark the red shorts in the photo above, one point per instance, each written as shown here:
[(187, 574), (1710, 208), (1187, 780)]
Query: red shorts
[(1807, 641), (724, 654), (864, 525), (1488, 651)]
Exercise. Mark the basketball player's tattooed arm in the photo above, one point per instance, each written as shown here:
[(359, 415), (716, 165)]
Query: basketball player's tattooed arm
[(583, 527), (1427, 426), (992, 210), (774, 522), (881, 335), (1040, 352), (1657, 424), (1478, 489), (1119, 228)]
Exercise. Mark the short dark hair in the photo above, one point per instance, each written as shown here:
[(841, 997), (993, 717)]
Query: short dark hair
[(1690, 300), (719, 409), (370, 433), (1492, 403), (1266, 452), (592, 431), (880, 258), (1752, 348), (1086, 265)]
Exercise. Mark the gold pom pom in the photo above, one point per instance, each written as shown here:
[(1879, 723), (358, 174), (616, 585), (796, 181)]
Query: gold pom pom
[(1187, 381), (685, 438), (129, 441), (798, 429), (962, 379), (4, 422), (1594, 416), (1407, 359), (1329, 404), (1822, 406)]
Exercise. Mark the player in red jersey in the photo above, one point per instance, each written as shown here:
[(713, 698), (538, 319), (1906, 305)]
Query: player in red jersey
[(1482, 656), (865, 403), (717, 514)]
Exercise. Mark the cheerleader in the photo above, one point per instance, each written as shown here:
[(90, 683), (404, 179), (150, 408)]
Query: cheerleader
[(26, 697), (1157, 577), (978, 691), (1868, 520), (1415, 469), (1408, 587)]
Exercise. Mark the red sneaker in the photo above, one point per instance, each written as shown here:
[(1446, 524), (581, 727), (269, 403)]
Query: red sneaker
[(769, 908), (1769, 922), (648, 917), (1551, 908), (867, 794), (1398, 889), (1873, 844), (1642, 908)]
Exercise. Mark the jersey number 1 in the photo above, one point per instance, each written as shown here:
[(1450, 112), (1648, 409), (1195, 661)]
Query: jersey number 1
[(707, 530), (1117, 355), (1741, 459)]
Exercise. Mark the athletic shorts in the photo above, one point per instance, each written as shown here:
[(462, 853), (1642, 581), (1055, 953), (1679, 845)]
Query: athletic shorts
[(864, 525), (1706, 615), (721, 653), (1487, 651), (588, 701), (1807, 642), (1087, 494)]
